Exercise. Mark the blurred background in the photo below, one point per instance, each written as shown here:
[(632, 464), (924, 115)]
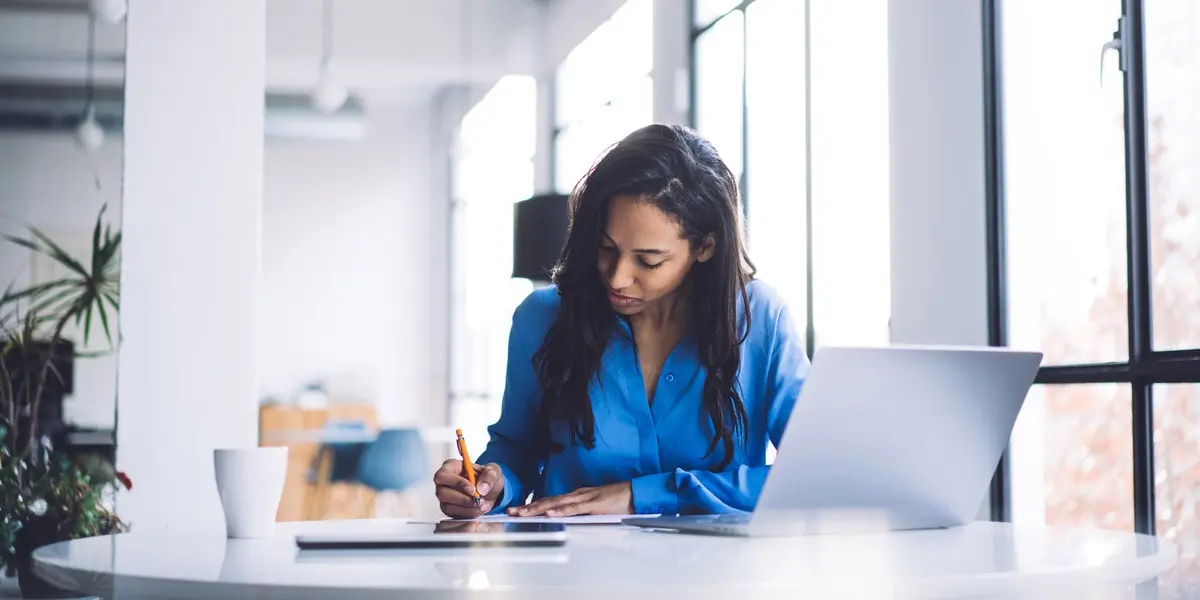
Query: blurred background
[(416, 161)]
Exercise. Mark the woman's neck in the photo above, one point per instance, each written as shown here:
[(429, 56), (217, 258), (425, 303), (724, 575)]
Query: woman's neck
[(669, 314)]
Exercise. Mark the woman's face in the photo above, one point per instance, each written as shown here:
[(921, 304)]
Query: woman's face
[(643, 256)]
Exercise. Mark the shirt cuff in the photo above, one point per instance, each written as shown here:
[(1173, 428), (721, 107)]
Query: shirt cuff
[(655, 494), (506, 497)]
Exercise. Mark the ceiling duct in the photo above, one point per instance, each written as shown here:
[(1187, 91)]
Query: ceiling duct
[(59, 107)]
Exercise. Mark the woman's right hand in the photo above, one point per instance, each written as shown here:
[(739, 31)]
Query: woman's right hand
[(456, 494)]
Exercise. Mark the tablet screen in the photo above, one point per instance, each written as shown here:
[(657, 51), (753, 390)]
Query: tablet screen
[(440, 534), (492, 527)]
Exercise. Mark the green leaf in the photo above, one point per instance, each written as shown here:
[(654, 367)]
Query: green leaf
[(87, 323), (58, 254), (60, 296), (109, 250), (96, 239), (112, 300), (36, 290), (23, 242), (103, 321)]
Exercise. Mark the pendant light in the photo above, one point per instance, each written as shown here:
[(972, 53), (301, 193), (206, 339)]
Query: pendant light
[(109, 11), (89, 135), (330, 93)]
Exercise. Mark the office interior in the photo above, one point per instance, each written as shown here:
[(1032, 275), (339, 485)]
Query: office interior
[(333, 270)]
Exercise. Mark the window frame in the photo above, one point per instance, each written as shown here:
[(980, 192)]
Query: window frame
[(1145, 366), (697, 31)]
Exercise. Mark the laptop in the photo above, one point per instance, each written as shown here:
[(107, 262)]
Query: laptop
[(884, 439)]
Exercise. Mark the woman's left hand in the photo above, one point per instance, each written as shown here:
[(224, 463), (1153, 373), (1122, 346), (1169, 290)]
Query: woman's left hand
[(611, 499)]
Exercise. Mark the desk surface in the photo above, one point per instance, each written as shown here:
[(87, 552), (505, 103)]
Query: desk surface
[(617, 563)]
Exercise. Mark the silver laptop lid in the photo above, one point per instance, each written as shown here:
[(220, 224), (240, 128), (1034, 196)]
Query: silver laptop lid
[(897, 437)]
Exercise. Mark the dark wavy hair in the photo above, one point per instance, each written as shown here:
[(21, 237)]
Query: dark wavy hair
[(680, 173)]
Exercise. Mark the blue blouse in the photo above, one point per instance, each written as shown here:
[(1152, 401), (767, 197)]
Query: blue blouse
[(660, 446)]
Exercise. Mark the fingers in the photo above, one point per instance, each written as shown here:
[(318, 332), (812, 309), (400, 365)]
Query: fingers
[(554, 505), (490, 481), (456, 511), (450, 475)]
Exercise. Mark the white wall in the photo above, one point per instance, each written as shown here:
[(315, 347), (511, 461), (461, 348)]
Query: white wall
[(672, 59), (354, 245), (188, 376), (939, 258), (46, 182)]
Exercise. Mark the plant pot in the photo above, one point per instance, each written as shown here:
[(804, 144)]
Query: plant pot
[(32, 536)]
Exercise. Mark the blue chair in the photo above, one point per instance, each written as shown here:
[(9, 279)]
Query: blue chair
[(394, 462)]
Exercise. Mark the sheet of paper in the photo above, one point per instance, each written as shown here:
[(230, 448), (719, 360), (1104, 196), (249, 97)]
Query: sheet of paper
[(575, 520)]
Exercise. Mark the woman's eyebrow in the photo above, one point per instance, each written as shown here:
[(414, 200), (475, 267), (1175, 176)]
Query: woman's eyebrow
[(649, 251)]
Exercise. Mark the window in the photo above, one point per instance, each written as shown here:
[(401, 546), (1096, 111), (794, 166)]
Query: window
[(752, 101), (1072, 457), (1064, 171), (1173, 130), (1102, 240), (720, 81), (851, 221), (709, 10), (775, 135), (1177, 468), (493, 168), (603, 91)]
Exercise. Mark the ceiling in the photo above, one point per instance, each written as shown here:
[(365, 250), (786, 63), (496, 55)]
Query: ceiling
[(387, 51)]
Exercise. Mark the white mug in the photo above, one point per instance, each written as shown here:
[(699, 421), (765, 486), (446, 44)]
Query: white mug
[(250, 483)]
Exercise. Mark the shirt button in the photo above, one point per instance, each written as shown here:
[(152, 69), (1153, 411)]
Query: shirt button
[(670, 378)]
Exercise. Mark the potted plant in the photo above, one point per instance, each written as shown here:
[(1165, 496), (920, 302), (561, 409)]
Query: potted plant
[(44, 497)]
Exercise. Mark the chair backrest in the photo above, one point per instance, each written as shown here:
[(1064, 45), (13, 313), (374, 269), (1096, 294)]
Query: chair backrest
[(395, 461)]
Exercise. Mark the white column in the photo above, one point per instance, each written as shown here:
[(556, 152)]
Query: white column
[(192, 235), (939, 261), (672, 61), (938, 249)]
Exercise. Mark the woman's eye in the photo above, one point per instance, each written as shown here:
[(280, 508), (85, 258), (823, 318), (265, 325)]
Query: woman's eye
[(652, 266)]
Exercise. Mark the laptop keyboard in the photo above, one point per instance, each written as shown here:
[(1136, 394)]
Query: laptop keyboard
[(730, 519)]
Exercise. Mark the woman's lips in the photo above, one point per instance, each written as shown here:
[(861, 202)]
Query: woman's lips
[(621, 301)]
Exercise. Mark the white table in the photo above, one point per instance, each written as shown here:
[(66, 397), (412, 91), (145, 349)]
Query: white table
[(620, 563)]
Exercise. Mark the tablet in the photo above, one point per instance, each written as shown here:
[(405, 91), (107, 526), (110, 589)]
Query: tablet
[(444, 534)]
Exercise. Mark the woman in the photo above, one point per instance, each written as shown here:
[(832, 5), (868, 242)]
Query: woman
[(651, 376)]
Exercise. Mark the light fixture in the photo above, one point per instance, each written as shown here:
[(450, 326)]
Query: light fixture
[(330, 94), (89, 135), (109, 11)]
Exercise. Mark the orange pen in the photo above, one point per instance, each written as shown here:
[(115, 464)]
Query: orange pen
[(468, 466)]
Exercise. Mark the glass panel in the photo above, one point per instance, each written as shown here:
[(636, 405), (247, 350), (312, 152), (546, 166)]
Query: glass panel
[(707, 10), (1064, 181), (618, 52), (632, 108), (850, 193), (1072, 457), (719, 73), (504, 120), (631, 52), (583, 78), (1177, 472), (577, 147), (493, 169), (1172, 95), (775, 187)]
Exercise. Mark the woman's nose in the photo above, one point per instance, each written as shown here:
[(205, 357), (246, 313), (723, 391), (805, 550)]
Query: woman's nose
[(620, 274)]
